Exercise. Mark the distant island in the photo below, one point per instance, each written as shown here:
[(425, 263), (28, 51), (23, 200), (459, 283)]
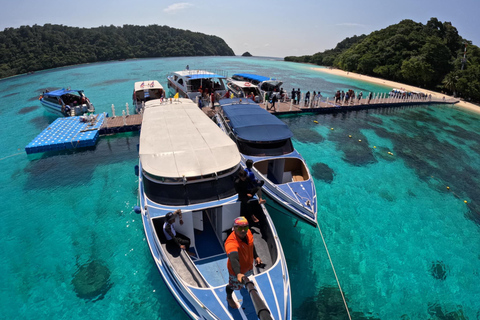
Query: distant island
[(27, 49), (246, 54), (428, 56)]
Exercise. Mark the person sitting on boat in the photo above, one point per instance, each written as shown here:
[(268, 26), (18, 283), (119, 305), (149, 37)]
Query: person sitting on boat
[(246, 192), (251, 176), (241, 255), (174, 237)]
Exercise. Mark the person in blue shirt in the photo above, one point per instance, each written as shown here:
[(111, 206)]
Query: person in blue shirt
[(254, 182)]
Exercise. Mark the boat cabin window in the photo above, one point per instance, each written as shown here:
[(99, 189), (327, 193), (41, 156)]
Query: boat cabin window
[(191, 193), (265, 149)]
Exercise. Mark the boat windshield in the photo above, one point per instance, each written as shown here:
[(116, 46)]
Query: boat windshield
[(258, 149), (190, 193)]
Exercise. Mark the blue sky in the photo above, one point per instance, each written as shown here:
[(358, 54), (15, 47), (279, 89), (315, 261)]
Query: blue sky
[(264, 28)]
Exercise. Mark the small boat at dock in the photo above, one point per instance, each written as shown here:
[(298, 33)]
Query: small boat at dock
[(186, 162), (66, 102), (266, 140), (265, 84), (144, 91), (245, 89), (197, 85)]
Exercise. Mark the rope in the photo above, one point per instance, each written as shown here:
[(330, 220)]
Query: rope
[(16, 154), (334, 272)]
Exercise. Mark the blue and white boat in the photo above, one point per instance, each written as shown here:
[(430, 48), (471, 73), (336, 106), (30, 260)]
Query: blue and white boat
[(197, 84), (266, 140), (188, 163), (66, 102), (265, 84)]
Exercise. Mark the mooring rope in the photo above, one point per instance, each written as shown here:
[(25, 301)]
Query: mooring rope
[(334, 272), (12, 155)]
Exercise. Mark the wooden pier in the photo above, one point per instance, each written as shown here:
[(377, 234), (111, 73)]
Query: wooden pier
[(133, 122), (120, 124)]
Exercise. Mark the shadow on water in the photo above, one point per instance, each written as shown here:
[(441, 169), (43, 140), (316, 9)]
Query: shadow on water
[(73, 167), (27, 109)]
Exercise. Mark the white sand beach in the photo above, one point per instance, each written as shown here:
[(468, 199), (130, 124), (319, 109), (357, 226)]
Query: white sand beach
[(392, 84)]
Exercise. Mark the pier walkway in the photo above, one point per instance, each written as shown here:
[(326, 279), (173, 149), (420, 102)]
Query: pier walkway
[(74, 132)]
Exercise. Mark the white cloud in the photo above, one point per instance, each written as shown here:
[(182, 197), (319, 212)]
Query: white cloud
[(267, 45), (174, 8)]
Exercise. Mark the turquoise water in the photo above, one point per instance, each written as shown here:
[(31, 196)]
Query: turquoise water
[(403, 245)]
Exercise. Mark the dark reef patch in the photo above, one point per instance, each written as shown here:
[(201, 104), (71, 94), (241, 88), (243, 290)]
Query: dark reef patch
[(439, 270), (110, 82), (307, 135), (10, 95), (321, 171), (383, 153), (27, 109), (439, 312), (92, 281), (328, 304), (356, 149)]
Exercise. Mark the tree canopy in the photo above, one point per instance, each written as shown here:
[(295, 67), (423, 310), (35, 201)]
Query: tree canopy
[(27, 49), (428, 56)]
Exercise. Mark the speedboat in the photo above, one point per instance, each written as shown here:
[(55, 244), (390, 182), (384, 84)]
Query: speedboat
[(66, 102), (245, 89), (144, 91), (188, 163), (266, 140), (265, 84), (197, 85)]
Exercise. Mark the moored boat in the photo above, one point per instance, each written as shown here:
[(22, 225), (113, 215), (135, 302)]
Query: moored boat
[(144, 91), (266, 140), (197, 84), (187, 163), (66, 102), (245, 89), (265, 84)]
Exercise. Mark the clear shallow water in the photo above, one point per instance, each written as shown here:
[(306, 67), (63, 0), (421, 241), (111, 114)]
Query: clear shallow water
[(403, 246)]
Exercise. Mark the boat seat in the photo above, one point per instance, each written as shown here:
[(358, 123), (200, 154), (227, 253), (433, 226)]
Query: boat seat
[(297, 176)]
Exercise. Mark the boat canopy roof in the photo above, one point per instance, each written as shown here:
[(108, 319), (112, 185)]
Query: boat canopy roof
[(149, 84), (61, 92), (252, 123), (243, 84), (197, 74), (179, 140), (252, 77)]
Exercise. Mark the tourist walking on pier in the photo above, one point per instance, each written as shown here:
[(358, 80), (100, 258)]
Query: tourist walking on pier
[(359, 97), (369, 97), (294, 94), (299, 96), (337, 96), (307, 99)]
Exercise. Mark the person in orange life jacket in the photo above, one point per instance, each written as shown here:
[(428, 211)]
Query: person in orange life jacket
[(174, 237), (241, 255)]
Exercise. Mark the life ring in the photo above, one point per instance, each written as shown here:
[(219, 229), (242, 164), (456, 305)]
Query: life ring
[(247, 84)]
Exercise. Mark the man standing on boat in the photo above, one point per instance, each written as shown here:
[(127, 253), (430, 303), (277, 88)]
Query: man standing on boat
[(241, 254)]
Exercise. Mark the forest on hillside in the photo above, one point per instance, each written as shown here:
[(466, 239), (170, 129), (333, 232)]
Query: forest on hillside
[(33, 48), (428, 56)]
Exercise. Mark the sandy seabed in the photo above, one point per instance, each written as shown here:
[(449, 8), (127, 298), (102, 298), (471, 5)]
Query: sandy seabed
[(392, 84)]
